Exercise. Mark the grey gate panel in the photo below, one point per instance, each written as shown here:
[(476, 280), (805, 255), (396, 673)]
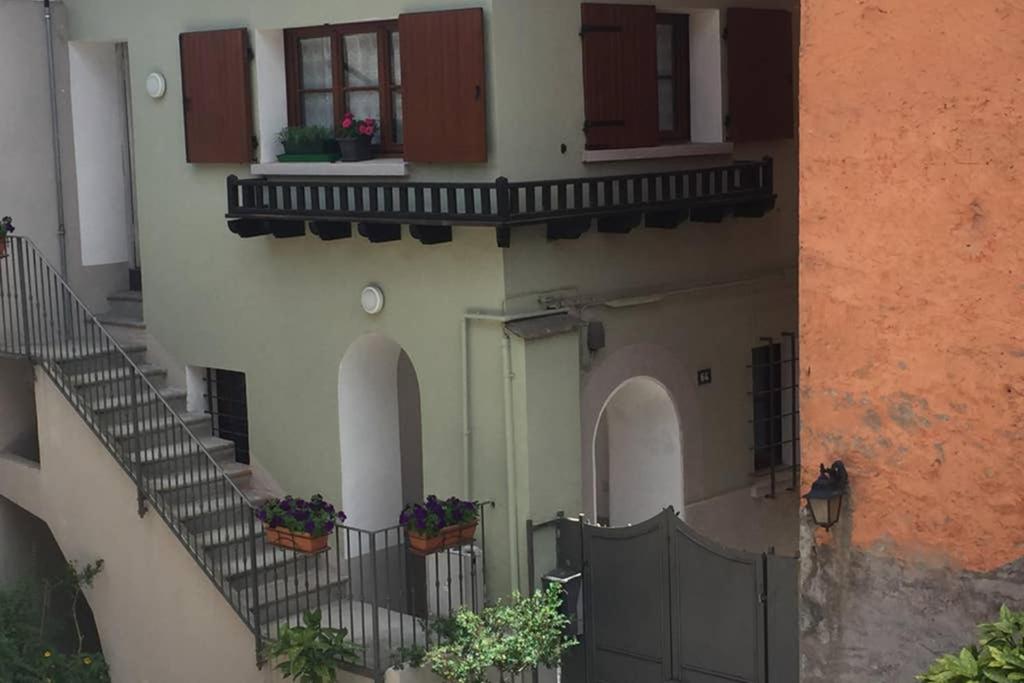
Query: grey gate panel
[(717, 613), (783, 619), (627, 623)]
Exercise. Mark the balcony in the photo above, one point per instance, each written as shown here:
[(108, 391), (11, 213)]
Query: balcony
[(567, 207)]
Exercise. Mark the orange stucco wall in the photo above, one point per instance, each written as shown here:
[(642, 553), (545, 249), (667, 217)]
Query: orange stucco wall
[(912, 270)]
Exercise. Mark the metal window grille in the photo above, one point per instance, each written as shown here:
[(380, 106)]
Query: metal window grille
[(228, 408), (775, 398)]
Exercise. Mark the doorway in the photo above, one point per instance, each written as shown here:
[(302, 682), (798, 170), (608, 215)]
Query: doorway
[(638, 456), (104, 158)]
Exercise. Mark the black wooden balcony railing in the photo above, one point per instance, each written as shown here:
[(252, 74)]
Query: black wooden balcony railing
[(568, 207)]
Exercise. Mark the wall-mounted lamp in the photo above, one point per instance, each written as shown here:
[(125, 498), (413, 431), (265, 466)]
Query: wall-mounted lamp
[(825, 499)]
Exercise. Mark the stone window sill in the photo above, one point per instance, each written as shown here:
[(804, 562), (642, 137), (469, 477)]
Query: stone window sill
[(371, 167), (690, 149)]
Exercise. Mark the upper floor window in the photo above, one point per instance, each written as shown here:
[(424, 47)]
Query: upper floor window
[(653, 78), (673, 49), (346, 68)]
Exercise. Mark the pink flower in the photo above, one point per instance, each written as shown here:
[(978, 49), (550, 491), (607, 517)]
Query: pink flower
[(369, 122), (364, 129), (346, 123)]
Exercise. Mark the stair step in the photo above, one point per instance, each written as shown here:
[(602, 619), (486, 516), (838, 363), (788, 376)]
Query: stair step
[(122, 321), (214, 507), (73, 351), (270, 558), (220, 449), (144, 397), (283, 597), (159, 424), (89, 379), (176, 481), (215, 539), (127, 295)]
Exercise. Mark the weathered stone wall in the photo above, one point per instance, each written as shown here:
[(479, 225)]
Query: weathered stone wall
[(911, 304)]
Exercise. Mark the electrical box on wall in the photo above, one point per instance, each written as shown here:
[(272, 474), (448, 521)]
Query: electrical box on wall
[(704, 377)]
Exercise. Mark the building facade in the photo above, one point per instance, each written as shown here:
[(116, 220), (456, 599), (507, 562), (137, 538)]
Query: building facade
[(909, 300), (609, 340)]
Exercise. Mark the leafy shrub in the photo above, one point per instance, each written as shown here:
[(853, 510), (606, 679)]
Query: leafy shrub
[(998, 656), (516, 635), (27, 629), (312, 653)]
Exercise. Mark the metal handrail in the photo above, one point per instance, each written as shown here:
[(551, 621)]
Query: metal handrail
[(125, 357), (368, 581)]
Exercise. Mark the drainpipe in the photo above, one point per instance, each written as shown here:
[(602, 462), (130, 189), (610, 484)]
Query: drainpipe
[(55, 133), (510, 442)]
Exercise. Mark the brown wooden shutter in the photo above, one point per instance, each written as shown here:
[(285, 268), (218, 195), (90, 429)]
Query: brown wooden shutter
[(620, 80), (217, 96), (760, 67), (443, 99)]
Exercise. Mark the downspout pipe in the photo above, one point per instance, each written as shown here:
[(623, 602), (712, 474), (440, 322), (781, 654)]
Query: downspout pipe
[(510, 442), (55, 140)]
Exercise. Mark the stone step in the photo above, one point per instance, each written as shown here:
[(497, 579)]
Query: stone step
[(76, 358), (302, 590), (109, 320), (180, 452), (201, 475), (113, 380), (126, 304), (216, 511), (125, 407), (154, 432)]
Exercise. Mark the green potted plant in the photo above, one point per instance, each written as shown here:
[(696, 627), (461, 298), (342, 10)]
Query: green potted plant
[(298, 524), (312, 653), (354, 137), (516, 635), (998, 654), (306, 143), (435, 524), (6, 228)]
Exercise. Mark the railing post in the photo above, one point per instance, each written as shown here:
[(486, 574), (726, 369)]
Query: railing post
[(378, 669), (232, 193), (19, 247), (504, 198), (255, 602), (140, 494)]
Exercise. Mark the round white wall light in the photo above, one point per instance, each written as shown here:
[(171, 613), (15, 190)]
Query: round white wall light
[(372, 299), (156, 85)]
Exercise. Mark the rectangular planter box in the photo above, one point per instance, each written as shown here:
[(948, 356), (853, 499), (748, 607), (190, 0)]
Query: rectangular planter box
[(319, 156), (448, 537), (294, 540)]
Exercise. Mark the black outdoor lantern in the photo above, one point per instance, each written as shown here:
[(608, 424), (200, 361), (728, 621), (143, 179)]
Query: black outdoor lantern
[(825, 499)]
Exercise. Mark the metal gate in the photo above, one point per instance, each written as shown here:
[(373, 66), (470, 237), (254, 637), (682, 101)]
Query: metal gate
[(662, 603)]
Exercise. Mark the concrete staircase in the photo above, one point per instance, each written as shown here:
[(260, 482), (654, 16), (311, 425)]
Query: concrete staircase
[(254, 576)]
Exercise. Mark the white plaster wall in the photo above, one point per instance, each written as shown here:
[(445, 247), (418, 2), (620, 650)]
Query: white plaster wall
[(19, 431), (101, 148), (27, 178), (368, 412), (159, 618), (645, 455), (271, 93)]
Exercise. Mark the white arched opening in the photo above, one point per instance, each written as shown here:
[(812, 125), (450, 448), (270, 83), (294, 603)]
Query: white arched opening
[(638, 456), (379, 431)]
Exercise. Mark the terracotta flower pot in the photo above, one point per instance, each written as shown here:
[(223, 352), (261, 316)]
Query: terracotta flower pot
[(448, 537), (295, 540)]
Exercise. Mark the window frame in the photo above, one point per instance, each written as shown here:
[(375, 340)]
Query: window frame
[(680, 24), (386, 87)]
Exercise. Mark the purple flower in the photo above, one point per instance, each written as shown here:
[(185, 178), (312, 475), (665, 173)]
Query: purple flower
[(276, 521), (342, 516), (301, 504), (309, 526), (261, 515), (328, 526), (285, 505)]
